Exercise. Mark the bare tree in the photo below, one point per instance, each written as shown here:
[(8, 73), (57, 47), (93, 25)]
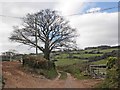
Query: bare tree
[(46, 30)]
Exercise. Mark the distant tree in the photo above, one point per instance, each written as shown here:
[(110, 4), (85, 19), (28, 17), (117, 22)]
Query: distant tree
[(46, 30), (9, 55)]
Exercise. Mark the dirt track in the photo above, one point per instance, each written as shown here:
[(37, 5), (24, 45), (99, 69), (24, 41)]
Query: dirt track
[(15, 77)]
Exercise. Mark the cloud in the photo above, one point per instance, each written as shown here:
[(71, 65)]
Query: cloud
[(96, 29), (4, 33), (22, 8), (69, 7), (94, 9), (17, 9), (5, 44)]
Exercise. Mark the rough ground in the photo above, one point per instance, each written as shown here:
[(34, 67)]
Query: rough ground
[(15, 77)]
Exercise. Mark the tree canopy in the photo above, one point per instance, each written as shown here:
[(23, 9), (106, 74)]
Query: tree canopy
[(46, 30)]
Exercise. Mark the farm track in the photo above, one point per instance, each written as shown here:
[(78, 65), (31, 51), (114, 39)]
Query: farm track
[(15, 77)]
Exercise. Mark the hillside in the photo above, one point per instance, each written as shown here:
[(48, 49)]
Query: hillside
[(96, 55), (78, 62)]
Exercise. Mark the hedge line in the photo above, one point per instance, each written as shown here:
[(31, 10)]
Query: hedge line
[(40, 65), (37, 62)]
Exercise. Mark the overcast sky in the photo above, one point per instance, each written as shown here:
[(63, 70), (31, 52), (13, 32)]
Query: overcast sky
[(94, 29)]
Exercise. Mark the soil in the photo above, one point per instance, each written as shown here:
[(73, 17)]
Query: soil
[(16, 77)]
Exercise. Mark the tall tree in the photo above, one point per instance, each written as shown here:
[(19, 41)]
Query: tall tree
[(46, 30)]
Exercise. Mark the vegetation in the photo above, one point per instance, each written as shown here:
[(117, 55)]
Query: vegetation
[(46, 27), (92, 56), (40, 65), (63, 75), (103, 61), (65, 62), (50, 74), (77, 70), (79, 67), (112, 76), (87, 55), (109, 50), (72, 69), (46, 30), (75, 62)]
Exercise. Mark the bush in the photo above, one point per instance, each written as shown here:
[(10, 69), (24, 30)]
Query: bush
[(112, 76), (40, 65), (112, 72), (37, 62)]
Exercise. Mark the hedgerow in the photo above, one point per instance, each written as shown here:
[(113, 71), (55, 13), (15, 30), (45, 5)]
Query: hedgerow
[(40, 65)]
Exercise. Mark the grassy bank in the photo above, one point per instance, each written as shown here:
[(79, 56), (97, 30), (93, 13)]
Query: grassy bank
[(40, 65), (76, 70), (63, 75)]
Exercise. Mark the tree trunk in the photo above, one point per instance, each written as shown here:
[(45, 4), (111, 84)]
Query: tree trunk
[(46, 50), (47, 54)]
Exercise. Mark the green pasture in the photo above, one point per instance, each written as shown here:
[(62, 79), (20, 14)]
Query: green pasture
[(86, 55), (108, 50), (65, 62), (103, 61)]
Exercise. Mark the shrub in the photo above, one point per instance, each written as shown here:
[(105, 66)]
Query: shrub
[(112, 76), (40, 65), (37, 62)]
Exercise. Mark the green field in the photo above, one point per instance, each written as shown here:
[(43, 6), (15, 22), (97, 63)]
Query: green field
[(86, 55), (104, 50), (75, 63), (61, 56), (64, 62), (108, 50), (89, 50), (103, 61)]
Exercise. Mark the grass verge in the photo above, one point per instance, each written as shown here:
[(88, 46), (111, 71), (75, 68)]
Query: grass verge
[(49, 74), (74, 70), (63, 75)]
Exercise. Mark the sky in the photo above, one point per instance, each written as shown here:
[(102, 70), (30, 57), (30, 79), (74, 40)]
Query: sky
[(94, 29)]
